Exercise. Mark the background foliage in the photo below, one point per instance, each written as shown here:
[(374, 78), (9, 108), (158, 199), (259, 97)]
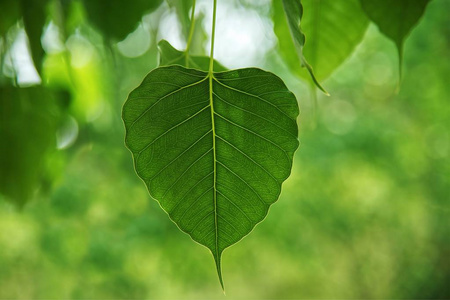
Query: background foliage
[(363, 215)]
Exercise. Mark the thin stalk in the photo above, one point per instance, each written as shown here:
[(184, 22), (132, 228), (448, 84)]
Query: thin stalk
[(313, 93), (213, 33), (191, 33)]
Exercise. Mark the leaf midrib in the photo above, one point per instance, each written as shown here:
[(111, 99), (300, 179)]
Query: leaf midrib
[(216, 225)]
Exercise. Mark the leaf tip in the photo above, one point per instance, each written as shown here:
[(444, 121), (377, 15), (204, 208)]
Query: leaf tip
[(217, 260), (313, 78)]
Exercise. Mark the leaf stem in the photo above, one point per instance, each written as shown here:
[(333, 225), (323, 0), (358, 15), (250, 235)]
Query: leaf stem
[(314, 105), (213, 33), (191, 33)]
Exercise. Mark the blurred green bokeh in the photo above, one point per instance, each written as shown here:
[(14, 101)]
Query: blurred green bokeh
[(365, 213)]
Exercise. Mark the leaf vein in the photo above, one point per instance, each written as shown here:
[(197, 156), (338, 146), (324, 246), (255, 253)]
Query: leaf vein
[(164, 97)]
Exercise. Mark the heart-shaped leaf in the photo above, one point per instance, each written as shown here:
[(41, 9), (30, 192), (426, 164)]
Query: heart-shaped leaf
[(395, 19), (332, 29), (168, 55), (212, 148)]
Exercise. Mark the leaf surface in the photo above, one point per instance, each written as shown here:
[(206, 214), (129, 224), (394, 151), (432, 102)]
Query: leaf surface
[(212, 148), (170, 56), (395, 19), (332, 29)]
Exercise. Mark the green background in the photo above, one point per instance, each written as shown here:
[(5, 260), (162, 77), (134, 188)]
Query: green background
[(365, 213)]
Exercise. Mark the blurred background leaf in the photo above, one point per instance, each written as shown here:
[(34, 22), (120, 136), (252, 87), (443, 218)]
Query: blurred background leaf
[(33, 114), (395, 19), (34, 13), (332, 29), (290, 21), (117, 18), (9, 14)]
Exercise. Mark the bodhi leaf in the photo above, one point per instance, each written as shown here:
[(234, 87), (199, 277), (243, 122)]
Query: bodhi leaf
[(212, 148), (395, 19), (117, 18), (171, 56), (332, 28)]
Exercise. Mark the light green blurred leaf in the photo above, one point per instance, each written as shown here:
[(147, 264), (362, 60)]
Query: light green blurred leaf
[(171, 56), (213, 149), (117, 18), (293, 10), (395, 19), (332, 28)]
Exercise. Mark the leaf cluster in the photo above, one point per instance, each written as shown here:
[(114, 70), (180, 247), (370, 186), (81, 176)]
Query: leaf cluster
[(326, 32)]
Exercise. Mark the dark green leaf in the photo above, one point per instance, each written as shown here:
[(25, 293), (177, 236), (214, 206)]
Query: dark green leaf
[(171, 56), (34, 18), (213, 149), (117, 18), (332, 29), (9, 14), (395, 19), (28, 122)]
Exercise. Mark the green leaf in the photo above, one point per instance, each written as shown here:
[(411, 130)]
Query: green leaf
[(294, 11), (332, 29), (212, 148), (29, 118), (34, 18), (9, 14), (168, 55), (395, 19), (117, 18)]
